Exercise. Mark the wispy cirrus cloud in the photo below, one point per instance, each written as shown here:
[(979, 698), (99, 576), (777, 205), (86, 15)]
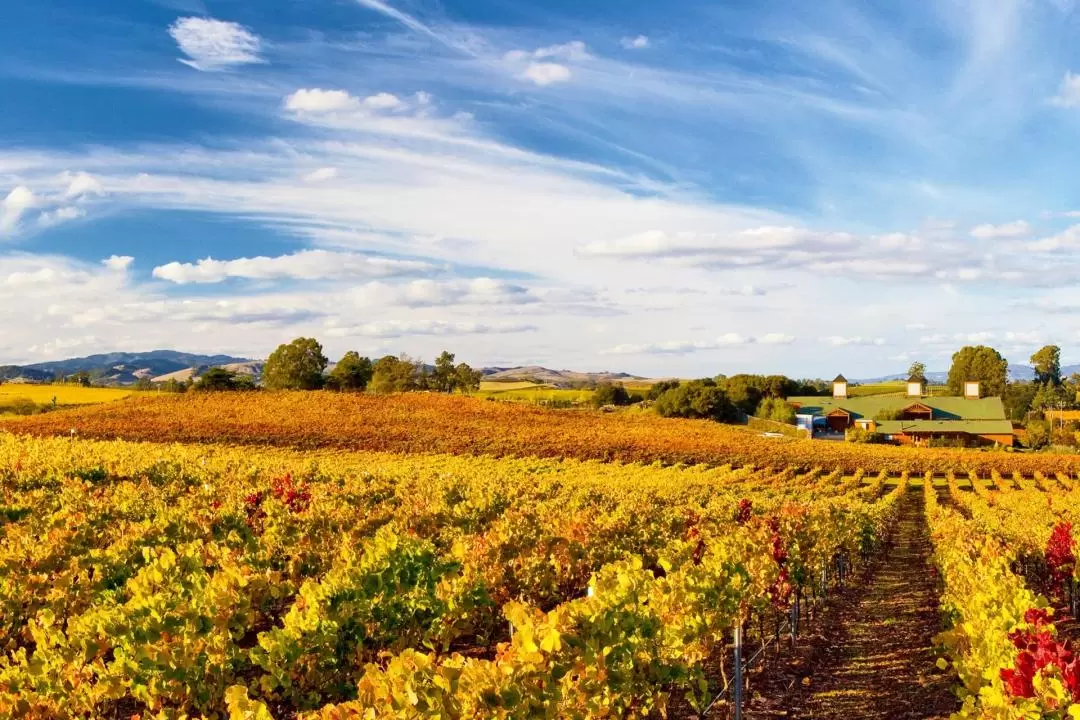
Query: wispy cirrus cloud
[(212, 45)]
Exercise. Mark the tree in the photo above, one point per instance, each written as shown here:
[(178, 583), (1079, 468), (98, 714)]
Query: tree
[(466, 379), (744, 391), (978, 364), (221, 380), (1018, 398), (351, 373), (775, 408), (443, 378), (610, 394), (392, 374), (658, 389), (697, 399), (297, 365), (1047, 365), (917, 370)]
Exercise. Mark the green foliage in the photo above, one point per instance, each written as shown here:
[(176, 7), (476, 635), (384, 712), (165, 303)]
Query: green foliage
[(982, 364), (222, 380), (917, 370), (381, 596), (392, 374), (661, 387), (1038, 434), (1017, 400), (1050, 396), (859, 435), (297, 365), (443, 378), (697, 399), (774, 408), (610, 394), (889, 414), (466, 379), (1047, 365), (352, 372)]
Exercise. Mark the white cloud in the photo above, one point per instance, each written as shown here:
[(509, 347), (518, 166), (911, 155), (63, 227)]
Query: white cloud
[(81, 184), (321, 175), (119, 263), (538, 66), (51, 218), (383, 101), (14, 206), (402, 328), (432, 293), (546, 73), (682, 347), (840, 341), (317, 100), (1069, 92), (303, 265), (1067, 239), (635, 43), (1016, 229), (215, 44)]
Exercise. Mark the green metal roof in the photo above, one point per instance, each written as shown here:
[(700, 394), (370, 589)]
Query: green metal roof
[(973, 427), (869, 406)]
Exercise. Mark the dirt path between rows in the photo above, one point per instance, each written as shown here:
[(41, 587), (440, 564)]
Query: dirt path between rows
[(870, 655)]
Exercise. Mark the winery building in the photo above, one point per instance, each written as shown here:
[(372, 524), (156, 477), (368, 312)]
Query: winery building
[(912, 419)]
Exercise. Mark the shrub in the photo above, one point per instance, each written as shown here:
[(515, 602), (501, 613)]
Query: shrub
[(776, 409)]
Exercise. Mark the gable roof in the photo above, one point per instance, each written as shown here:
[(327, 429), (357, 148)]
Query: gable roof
[(973, 427), (840, 378), (869, 406), (917, 379)]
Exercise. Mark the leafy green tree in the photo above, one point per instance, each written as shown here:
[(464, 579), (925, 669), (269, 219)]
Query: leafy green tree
[(443, 378), (775, 408), (661, 387), (697, 399), (744, 391), (1049, 396), (466, 379), (982, 364), (917, 370), (1038, 434), (351, 373), (1047, 365), (222, 380), (1018, 398), (610, 394), (392, 374), (298, 365)]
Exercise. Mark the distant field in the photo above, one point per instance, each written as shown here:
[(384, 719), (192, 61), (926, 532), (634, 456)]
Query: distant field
[(64, 394), (431, 422), (531, 392)]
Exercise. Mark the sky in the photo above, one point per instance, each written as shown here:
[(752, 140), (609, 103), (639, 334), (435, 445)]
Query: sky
[(663, 189)]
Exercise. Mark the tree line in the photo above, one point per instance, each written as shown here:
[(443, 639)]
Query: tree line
[(302, 365)]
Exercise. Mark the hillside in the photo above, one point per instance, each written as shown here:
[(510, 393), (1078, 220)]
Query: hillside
[(556, 378), (123, 368)]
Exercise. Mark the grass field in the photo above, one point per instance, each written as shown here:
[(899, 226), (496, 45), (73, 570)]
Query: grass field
[(64, 394)]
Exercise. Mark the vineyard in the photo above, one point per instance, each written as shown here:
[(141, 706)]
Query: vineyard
[(427, 422), (421, 562)]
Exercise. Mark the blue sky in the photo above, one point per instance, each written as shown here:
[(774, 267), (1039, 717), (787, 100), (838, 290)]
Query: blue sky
[(793, 187)]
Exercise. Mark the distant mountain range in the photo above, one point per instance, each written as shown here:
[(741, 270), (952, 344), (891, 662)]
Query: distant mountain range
[(121, 368)]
